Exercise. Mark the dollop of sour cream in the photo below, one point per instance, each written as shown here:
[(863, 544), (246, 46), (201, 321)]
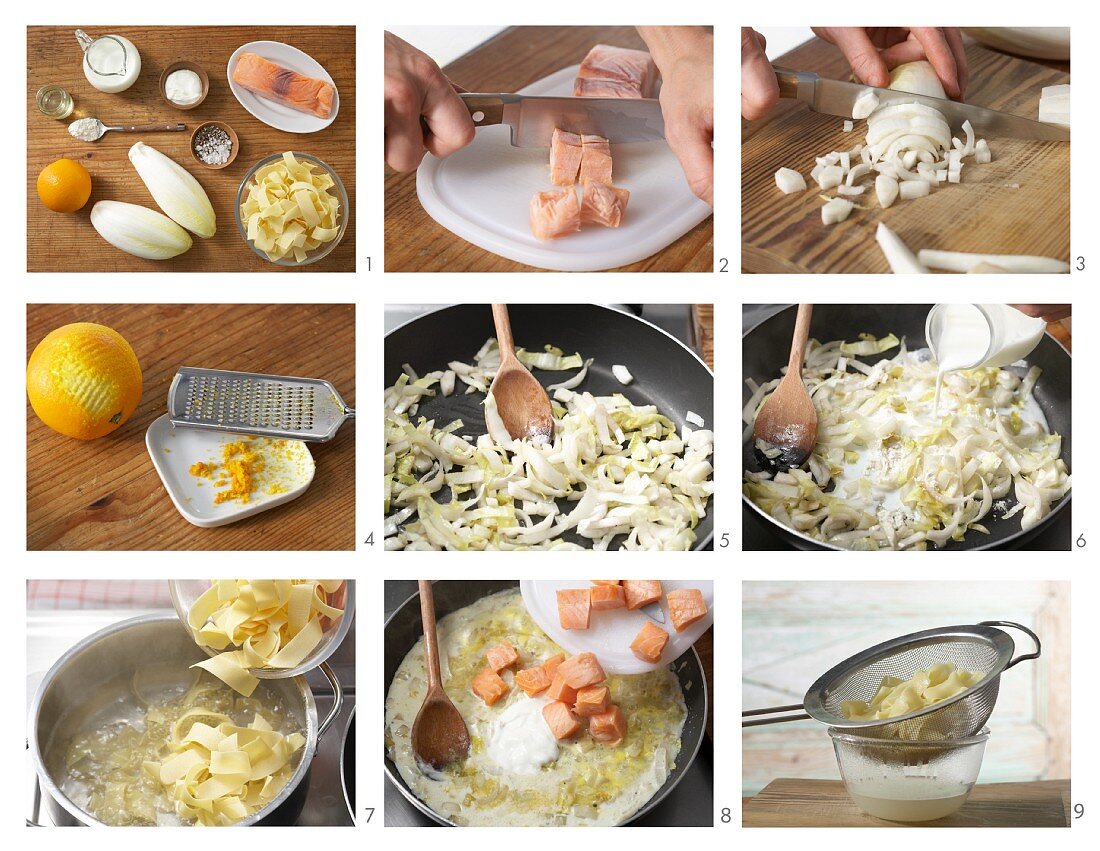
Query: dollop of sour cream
[(520, 741)]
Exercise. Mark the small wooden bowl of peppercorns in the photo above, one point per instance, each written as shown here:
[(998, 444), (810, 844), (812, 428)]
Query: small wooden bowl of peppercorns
[(214, 144)]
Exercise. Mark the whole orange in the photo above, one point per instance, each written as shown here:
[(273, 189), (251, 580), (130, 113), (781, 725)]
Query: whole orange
[(64, 186), (84, 380)]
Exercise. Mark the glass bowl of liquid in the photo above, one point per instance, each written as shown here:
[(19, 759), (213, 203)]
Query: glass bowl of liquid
[(908, 781)]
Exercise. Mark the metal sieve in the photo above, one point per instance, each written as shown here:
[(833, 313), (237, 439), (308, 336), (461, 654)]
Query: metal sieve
[(982, 648)]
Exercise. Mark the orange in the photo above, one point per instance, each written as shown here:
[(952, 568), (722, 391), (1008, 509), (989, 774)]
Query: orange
[(64, 186), (84, 380)]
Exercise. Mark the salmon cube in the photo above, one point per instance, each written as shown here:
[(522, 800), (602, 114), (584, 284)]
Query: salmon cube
[(561, 720), (582, 670), (574, 606), (603, 204), (561, 690), (595, 160), (565, 158), (649, 644), (502, 656), (555, 213), (592, 700), (606, 597), (533, 680), (641, 592), (489, 686), (686, 606), (605, 581), (609, 726), (616, 72), (552, 664)]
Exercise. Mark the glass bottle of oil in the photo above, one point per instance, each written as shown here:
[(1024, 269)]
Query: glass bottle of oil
[(54, 102)]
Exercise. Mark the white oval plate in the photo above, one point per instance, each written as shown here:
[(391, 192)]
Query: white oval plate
[(268, 111)]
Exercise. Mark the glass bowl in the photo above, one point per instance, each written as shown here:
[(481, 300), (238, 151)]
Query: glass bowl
[(186, 591), (338, 188), (908, 781)]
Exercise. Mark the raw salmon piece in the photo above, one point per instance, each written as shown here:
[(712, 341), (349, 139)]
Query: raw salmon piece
[(607, 597), (552, 664), (649, 644), (284, 86), (555, 213), (616, 72), (603, 204), (489, 686), (592, 700), (565, 158), (582, 670), (609, 726), (561, 720), (574, 606), (502, 656), (686, 606), (533, 680), (560, 690), (641, 592), (595, 160), (605, 581)]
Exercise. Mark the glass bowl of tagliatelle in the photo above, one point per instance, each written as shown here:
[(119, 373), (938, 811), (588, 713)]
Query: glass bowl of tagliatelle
[(256, 629)]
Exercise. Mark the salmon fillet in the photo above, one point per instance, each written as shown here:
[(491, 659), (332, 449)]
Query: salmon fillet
[(641, 592), (565, 158), (489, 686), (561, 690), (561, 720), (603, 204), (582, 670), (605, 581), (502, 656), (533, 680), (649, 644), (552, 664), (606, 597), (592, 700), (555, 213), (284, 86), (574, 606), (609, 726), (686, 606), (595, 159), (616, 72)]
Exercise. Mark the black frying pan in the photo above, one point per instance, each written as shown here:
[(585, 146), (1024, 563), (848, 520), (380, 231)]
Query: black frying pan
[(766, 347), (404, 628), (666, 372)]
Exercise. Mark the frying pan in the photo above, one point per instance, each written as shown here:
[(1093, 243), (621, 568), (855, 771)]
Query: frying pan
[(403, 630), (766, 347), (666, 372)]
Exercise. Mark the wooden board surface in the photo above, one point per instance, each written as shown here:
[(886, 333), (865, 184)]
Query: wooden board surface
[(825, 803), (67, 242), (516, 58), (105, 493), (702, 316), (784, 233)]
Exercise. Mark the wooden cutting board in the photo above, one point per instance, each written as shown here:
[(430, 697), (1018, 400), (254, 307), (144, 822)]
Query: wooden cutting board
[(789, 802), (511, 60), (784, 233), (67, 242), (104, 494)]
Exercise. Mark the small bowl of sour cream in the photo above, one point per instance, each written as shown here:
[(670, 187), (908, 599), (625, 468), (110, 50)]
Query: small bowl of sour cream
[(184, 85)]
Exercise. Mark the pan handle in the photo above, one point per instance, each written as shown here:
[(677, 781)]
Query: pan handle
[(337, 695), (779, 719), (1038, 644)]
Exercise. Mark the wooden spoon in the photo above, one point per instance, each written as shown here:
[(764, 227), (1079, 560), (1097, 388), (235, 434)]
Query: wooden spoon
[(788, 419), (521, 401), (439, 735)]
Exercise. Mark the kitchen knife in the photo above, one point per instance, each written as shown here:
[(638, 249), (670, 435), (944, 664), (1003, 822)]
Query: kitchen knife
[(835, 97), (533, 119)]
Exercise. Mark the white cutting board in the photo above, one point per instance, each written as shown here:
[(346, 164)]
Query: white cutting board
[(483, 194), (609, 633)]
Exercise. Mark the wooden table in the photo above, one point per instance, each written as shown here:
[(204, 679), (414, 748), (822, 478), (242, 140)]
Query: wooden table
[(105, 494), (784, 233), (789, 802), (511, 60), (67, 242)]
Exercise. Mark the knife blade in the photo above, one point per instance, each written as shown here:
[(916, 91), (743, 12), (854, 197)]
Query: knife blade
[(654, 612), (836, 97), (533, 119)]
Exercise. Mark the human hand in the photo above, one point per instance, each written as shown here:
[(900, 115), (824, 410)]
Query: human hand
[(1048, 312), (873, 51), (685, 57), (759, 88), (416, 89)]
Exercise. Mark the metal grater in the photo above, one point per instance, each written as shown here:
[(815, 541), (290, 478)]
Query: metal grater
[(252, 403)]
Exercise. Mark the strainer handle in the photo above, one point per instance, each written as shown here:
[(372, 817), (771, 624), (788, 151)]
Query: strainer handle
[(774, 710), (1022, 628), (337, 701)]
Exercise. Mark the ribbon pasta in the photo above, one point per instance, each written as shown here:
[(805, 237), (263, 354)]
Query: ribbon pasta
[(925, 688)]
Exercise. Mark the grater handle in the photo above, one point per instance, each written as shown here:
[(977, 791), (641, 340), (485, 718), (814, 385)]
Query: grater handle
[(774, 710), (1038, 644)]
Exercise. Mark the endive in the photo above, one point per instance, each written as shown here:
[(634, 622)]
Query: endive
[(139, 231), (174, 189)]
